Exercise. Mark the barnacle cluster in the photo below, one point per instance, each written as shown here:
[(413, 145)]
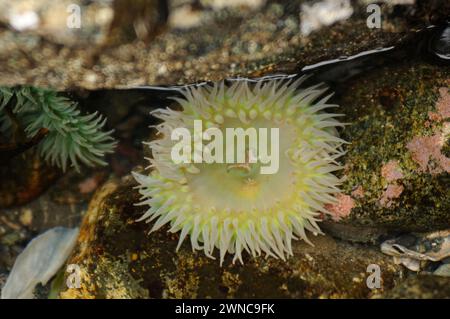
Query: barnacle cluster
[(233, 207), (72, 138)]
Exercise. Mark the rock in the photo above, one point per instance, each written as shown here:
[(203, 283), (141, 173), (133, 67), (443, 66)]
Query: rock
[(397, 163), (119, 260), (435, 11), (220, 41), (3, 278), (62, 204), (76, 23), (24, 178), (354, 233), (421, 287), (443, 270)]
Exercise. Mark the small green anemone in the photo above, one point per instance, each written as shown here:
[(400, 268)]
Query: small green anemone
[(234, 207)]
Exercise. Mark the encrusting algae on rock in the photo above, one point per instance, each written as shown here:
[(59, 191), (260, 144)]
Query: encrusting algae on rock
[(426, 151), (235, 207), (396, 165)]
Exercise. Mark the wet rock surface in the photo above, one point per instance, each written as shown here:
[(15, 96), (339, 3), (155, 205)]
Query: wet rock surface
[(220, 41), (421, 287), (80, 23), (24, 177), (118, 260), (397, 166)]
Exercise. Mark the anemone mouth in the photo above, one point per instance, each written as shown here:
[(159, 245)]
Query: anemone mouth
[(240, 187), (233, 206)]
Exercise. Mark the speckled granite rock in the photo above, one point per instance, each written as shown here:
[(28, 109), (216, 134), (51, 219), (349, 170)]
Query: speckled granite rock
[(119, 260), (206, 42)]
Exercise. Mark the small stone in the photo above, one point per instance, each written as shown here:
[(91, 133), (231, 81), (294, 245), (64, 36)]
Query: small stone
[(26, 217)]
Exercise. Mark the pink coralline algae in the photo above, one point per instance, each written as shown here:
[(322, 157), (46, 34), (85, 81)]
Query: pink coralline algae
[(426, 151), (342, 208), (442, 106), (358, 192), (391, 171), (393, 191)]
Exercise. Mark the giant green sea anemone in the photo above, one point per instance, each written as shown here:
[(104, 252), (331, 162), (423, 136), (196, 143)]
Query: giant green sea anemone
[(234, 207)]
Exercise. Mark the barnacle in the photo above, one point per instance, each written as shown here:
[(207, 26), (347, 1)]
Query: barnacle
[(234, 207)]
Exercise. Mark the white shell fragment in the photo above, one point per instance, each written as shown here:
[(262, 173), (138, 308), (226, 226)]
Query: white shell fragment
[(413, 250), (39, 262), (443, 270)]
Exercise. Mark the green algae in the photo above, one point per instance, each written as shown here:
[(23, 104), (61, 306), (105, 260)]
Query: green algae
[(379, 132)]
